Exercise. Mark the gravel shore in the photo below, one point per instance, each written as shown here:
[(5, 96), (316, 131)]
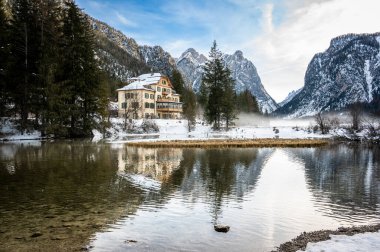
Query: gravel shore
[(300, 242)]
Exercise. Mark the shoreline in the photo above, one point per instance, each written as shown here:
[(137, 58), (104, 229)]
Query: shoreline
[(301, 241), (231, 143)]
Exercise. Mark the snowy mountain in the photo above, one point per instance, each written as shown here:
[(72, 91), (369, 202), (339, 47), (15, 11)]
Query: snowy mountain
[(347, 72), (289, 97), (122, 57), (190, 65), (243, 71)]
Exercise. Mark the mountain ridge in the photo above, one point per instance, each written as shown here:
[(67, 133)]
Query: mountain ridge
[(243, 71), (347, 72)]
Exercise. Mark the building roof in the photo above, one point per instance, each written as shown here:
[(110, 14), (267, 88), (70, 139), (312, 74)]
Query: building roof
[(142, 82)]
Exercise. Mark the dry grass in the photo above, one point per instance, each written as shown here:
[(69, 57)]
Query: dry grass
[(231, 143)]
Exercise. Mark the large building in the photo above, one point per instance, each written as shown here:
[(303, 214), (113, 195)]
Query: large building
[(149, 96)]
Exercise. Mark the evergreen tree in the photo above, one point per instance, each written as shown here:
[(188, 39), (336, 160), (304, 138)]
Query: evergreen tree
[(178, 82), (82, 86), (50, 34), (190, 108), (228, 104), (247, 103), (217, 90), (188, 96), (23, 69), (4, 52)]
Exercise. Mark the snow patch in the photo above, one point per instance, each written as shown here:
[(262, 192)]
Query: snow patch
[(143, 182), (368, 78), (343, 243)]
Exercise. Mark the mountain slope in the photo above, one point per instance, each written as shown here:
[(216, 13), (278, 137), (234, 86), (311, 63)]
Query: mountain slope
[(347, 72), (289, 97), (122, 57), (190, 64)]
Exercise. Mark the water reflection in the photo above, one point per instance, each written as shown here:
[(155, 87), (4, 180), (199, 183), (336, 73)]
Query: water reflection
[(210, 175), (169, 199), (344, 179), (63, 192)]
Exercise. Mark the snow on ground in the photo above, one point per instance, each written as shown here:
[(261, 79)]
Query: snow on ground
[(9, 132), (247, 127), (343, 243), (177, 130)]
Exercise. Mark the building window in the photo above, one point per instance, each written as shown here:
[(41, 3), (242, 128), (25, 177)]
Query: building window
[(146, 115), (124, 105), (127, 96), (151, 96), (147, 105), (152, 105), (158, 97), (164, 82), (158, 89), (176, 99), (146, 96)]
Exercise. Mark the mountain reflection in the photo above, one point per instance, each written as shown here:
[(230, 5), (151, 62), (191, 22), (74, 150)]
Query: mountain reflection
[(344, 179)]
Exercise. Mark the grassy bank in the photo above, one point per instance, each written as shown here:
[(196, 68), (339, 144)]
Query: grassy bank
[(231, 143)]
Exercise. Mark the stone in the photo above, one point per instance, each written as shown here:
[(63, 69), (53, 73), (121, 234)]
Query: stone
[(222, 228), (37, 234)]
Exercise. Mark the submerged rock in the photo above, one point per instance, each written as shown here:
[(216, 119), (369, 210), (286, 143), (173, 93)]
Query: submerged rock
[(221, 228), (37, 234)]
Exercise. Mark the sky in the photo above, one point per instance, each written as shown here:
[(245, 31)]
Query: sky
[(279, 36)]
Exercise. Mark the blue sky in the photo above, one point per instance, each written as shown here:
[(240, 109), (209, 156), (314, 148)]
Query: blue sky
[(279, 36)]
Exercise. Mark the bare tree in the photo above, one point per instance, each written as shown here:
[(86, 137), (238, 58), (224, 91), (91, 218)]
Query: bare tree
[(131, 108), (322, 122), (356, 113)]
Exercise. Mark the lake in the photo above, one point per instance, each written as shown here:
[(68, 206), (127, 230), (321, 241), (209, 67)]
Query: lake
[(70, 195)]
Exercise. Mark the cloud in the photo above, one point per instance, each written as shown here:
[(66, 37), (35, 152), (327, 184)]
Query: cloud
[(122, 19), (279, 36), (283, 52)]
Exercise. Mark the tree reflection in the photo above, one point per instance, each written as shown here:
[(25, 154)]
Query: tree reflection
[(53, 187), (215, 176), (346, 176)]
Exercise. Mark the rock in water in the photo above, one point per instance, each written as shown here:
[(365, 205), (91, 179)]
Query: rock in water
[(222, 228)]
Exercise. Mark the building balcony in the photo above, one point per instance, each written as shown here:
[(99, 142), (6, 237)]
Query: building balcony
[(169, 107), (169, 110), (167, 99)]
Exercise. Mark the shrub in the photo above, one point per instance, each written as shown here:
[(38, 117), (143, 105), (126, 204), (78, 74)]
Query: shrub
[(149, 126)]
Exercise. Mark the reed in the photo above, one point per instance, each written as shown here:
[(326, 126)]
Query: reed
[(231, 143)]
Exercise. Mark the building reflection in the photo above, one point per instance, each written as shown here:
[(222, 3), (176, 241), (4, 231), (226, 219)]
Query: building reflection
[(157, 164), (212, 175)]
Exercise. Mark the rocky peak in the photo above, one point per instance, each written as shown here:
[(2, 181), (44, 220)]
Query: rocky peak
[(238, 55), (190, 64), (192, 55)]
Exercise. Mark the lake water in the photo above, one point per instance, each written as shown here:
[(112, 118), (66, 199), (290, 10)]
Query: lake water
[(110, 197)]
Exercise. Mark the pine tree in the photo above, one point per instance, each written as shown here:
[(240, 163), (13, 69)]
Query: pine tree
[(247, 103), (81, 74), (4, 53), (178, 82), (189, 107), (49, 29), (23, 69), (228, 108), (217, 90), (188, 97)]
